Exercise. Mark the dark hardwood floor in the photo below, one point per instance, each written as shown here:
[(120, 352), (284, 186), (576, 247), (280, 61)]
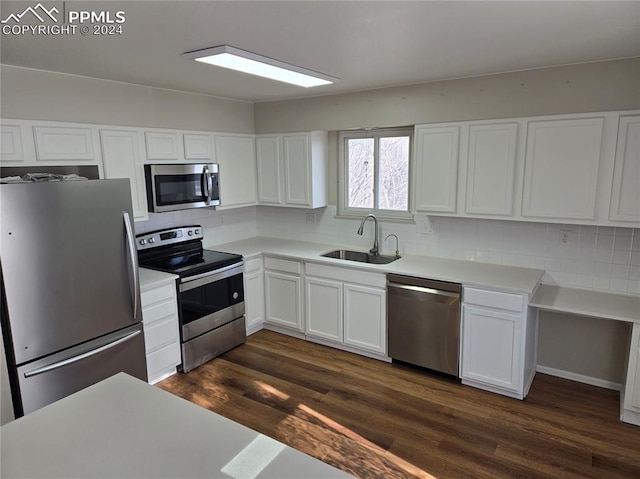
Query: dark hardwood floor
[(373, 419)]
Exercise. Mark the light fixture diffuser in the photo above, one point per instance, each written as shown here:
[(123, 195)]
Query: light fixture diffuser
[(248, 62)]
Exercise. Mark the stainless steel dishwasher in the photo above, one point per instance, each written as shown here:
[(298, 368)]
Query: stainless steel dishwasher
[(424, 322)]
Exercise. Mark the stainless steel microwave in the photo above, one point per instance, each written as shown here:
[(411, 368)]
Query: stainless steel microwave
[(180, 187)]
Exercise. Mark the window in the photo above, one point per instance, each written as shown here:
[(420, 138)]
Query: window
[(374, 172)]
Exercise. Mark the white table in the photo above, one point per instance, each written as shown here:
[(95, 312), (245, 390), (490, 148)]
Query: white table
[(124, 428)]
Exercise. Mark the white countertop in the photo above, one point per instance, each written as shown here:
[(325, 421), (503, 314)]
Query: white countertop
[(122, 427), (469, 273), (150, 278), (587, 303)]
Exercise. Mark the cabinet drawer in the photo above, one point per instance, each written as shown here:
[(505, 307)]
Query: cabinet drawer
[(158, 312), (346, 275), (493, 299), (163, 358), (155, 295), (160, 333), (285, 265), (253, 264)]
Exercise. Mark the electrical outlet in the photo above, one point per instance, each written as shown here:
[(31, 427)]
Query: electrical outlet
[(311, 218), (565, 237), (427, 225)]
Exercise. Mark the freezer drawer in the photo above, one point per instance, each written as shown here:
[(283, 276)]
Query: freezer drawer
[(59, 375)]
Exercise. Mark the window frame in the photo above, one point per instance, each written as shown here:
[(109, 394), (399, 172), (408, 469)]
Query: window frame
[(343, 174)]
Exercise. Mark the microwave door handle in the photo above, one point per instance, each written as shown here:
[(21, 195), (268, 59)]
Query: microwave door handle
[(209, 181)]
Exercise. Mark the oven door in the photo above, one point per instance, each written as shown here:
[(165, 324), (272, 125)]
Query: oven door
[(210, 300), (178, 187)]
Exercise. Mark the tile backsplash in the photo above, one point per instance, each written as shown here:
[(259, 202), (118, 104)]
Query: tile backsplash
[(601, 258), (591, 257)]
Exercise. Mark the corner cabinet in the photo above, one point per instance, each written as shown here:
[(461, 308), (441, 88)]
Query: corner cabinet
[(283, 295), (346, 308), (499, 342), (161, 329), (236, 159), (292, 169)]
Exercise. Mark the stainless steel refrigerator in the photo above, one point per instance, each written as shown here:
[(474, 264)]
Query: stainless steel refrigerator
[(70, 292)]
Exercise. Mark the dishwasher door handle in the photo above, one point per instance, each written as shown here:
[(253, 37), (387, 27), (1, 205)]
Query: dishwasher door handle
[(420, 289)]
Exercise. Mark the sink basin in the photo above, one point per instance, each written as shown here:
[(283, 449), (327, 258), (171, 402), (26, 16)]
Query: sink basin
[(360, 256)]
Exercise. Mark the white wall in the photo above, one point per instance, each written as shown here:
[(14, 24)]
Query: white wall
[(40, 95), (581, 88)]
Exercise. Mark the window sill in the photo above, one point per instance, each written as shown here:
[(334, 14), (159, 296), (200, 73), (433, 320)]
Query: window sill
[(409, 219)]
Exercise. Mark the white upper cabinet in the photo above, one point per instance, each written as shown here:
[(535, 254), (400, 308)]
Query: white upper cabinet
[(236, 158), (268, 163), (11, 150), (56, 143), (122, 155), (162, 145), (491, 168), (436, 166), (561, 168), (197, 146), (625, 195), (292, 169)]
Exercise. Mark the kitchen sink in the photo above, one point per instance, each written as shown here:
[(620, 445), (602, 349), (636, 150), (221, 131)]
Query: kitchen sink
[(360, 256)]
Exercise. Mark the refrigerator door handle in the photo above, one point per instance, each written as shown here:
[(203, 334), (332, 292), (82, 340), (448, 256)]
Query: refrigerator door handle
[(80, 357), (133, 261)]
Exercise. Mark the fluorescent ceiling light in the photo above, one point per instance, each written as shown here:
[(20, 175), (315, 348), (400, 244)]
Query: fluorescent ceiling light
[(247, 62)]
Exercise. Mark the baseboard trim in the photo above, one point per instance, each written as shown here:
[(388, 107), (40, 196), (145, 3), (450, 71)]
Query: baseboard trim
[(602, 383)]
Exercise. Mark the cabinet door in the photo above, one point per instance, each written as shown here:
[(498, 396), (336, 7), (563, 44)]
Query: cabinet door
[(254, 299), (436, 165), (11, 144), (237, 162), (625, 196), (162, 145), (122, 157), (365, 318), (324, 308), (561, 168), (632, 386), (62, 143), (283, 299), (297, 169), (268, 164), (491, 347), (492, 161), (197, 147)]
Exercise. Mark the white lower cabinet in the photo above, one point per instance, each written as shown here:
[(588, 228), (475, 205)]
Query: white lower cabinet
[(346, 307), (283, 293), (498, 342), (253, 295), (161, 329), (631, 400)]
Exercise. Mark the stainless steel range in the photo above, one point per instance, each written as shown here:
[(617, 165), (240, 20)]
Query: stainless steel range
[(210, 291)]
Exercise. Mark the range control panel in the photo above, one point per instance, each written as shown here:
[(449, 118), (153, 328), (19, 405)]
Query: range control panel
[(154, 239)]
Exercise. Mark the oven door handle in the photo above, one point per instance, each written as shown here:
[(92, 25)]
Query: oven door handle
[(210, 276), (207, 185)]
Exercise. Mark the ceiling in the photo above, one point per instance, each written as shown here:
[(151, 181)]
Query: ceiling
[(368, 44)]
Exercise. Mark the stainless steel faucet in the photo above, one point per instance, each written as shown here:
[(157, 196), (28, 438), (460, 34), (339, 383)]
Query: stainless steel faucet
[(396, 237), (375, 250)]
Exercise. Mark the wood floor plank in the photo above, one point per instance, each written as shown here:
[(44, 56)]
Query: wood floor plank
[(376, 419)]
